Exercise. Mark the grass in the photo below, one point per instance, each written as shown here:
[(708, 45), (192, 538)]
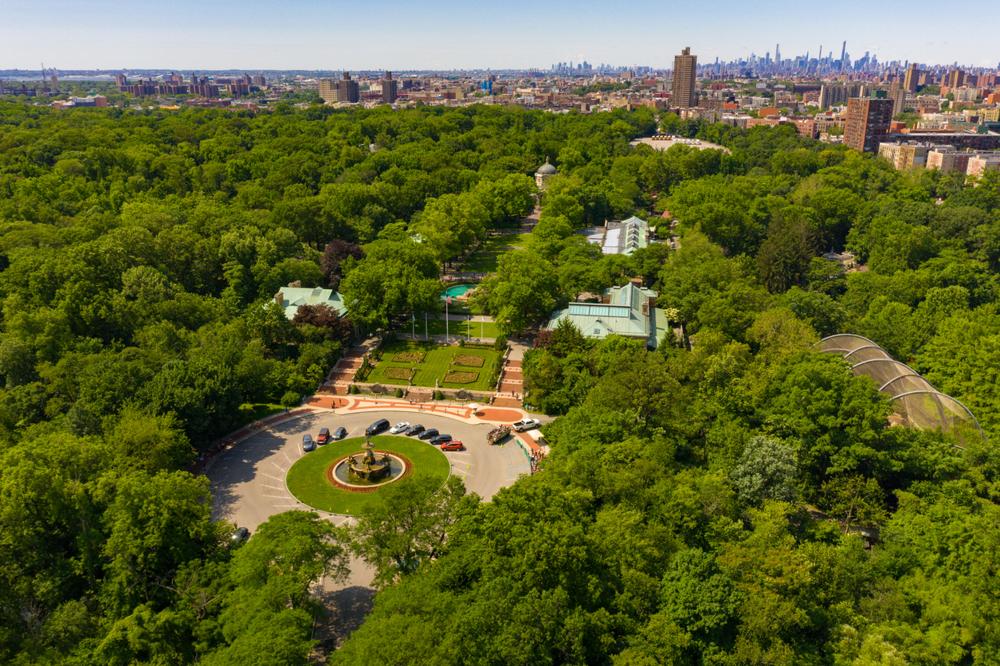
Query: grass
[(308, 482), (439, 360), (253, 411), (484, 259), (475, 329)]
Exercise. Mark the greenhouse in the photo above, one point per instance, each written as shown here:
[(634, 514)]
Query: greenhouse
[(915, 401)]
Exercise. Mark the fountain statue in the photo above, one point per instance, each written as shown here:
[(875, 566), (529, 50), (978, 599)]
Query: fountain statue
[(370, 467)]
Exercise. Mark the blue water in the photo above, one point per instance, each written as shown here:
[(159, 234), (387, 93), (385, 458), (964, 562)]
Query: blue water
[(457, 290)]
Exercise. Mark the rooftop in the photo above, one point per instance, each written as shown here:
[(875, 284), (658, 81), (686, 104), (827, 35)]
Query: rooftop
[(624, 310), (291, 298)]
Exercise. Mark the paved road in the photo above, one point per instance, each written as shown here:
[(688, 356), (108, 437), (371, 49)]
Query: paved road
[(248, 481)]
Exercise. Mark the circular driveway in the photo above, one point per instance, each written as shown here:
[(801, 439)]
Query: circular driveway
[(248, 480)]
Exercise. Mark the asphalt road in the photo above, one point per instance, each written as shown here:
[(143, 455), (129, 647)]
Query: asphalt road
[(248, 481)]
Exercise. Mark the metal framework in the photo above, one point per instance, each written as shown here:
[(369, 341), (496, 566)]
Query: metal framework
[(913, 398)]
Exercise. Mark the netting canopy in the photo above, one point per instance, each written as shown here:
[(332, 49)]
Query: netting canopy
[(915, 401)]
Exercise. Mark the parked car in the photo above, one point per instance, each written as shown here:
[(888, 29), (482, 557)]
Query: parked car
[(308, 444), (323, 437), (453, 445), (415, 429), (427, 434), (239, 536), (440, 439), (526, 424), (340, 433), (399, 427), (377, 427)]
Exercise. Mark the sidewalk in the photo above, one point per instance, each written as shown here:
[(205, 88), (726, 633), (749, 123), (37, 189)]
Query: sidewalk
[(485, 413)]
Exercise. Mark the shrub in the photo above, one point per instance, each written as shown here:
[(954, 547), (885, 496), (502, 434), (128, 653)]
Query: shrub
[(500, 343), (378, 389), (290, 399), (438, 395), (400, 393)]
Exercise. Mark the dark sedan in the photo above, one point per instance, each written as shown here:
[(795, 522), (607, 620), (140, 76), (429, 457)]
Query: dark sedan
[(428, 434)]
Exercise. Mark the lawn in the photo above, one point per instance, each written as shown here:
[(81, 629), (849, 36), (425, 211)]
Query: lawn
[(484, 259), (308, 482), (463, 329), (451, 366), (253, 411)]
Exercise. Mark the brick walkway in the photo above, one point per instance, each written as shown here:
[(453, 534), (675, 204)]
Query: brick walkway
[(485, 414), (511, 386)]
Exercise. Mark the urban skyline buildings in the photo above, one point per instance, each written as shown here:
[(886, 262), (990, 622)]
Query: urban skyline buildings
[(444, 34), (685, 79)]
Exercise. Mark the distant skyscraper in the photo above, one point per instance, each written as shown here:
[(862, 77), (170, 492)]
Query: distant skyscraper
[(328, 90), (912, 78), (843, 56), (389, 88), (348, 90), (685, 76), (867, 122), (777, 53)]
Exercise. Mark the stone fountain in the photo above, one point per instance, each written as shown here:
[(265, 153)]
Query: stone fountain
[(369, 466)]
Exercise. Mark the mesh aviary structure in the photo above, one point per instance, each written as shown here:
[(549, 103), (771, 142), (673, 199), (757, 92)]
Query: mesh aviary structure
[(913, 398)]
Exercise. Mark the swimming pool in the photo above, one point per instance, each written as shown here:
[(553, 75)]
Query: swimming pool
[(457, 290)]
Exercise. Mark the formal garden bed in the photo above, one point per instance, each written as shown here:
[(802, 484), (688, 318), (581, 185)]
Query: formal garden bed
[(469, 360), (440, 366), (308, 478), (460, 377)]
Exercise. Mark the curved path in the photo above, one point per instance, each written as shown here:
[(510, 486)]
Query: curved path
[(248, 479)]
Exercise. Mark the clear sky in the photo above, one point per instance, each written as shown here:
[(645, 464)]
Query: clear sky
[(453, 34)]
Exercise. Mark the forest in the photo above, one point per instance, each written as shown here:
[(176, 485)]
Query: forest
[(737, 497)]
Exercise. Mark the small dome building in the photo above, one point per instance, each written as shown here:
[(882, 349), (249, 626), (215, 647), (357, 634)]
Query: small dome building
[(543, 174)]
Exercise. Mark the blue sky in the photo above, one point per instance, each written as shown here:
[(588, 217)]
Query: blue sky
[(331, 34)]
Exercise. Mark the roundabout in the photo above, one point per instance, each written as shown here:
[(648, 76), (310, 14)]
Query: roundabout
[(250, 480), (322, 479)]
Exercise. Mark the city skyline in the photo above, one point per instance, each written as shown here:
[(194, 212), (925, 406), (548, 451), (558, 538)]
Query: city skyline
[(387, 34)]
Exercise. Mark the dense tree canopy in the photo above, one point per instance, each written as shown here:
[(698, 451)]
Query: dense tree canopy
[(732, 497)]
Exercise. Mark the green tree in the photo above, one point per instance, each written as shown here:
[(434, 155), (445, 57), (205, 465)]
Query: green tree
[(408, 526)]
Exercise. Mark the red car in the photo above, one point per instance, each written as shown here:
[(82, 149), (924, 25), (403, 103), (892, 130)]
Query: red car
[(323, 437), (453, 445)]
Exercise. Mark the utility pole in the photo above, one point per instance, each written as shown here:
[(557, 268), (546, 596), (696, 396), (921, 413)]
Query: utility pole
[(447, 301)]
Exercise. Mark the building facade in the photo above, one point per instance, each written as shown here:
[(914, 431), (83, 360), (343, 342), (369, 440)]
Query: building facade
[(390, 89), (867, 122), (347, 90), (685, 77), (328, 90), (947, 160), (905, 156)]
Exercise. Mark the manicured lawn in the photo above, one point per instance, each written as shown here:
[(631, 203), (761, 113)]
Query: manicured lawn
[(458, 328), (484, 259), (439, 361), (308, 482), (252, 411)]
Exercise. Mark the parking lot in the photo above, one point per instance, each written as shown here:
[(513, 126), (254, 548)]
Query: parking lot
[(248, 480)]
